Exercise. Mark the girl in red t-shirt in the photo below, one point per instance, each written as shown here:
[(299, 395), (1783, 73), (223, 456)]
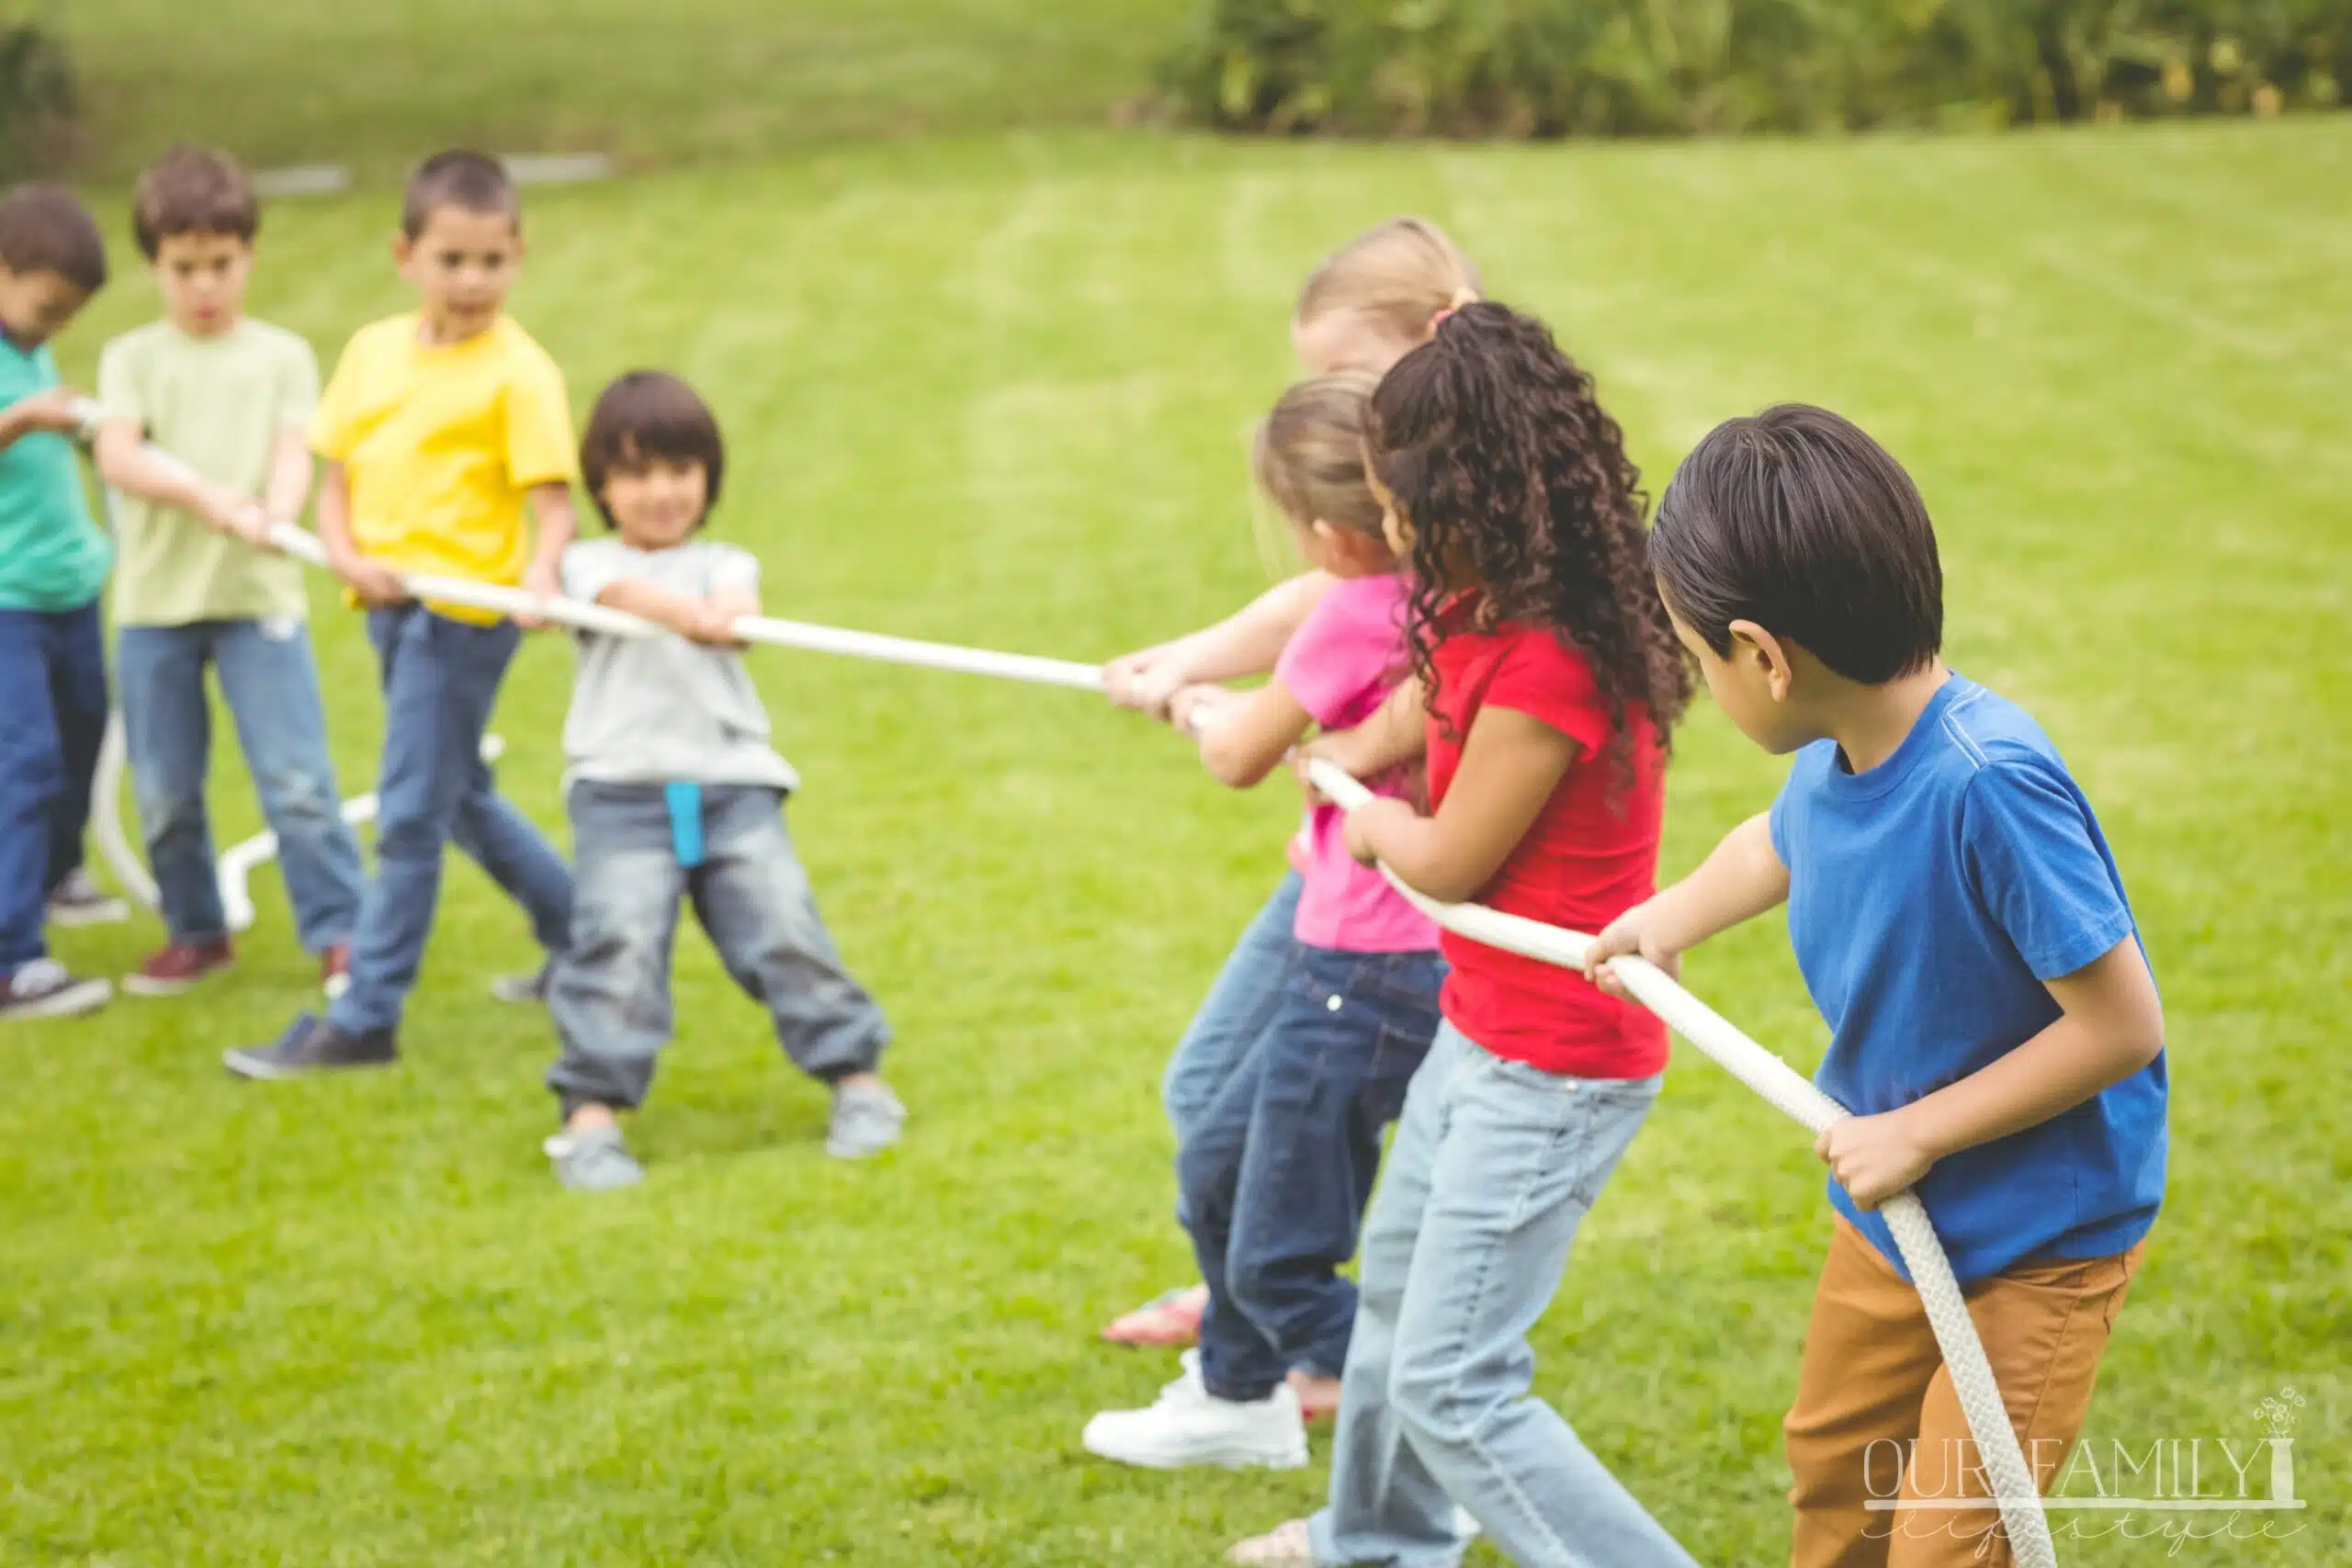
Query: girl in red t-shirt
[(1550, 674)]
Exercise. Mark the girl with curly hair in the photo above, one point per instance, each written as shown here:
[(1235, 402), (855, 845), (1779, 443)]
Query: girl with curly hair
[(1551, 675)]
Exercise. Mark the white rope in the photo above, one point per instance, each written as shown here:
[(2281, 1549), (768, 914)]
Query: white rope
[(236, 864), (130, 873), (763, 629), (306, 547), (1971, 1375)]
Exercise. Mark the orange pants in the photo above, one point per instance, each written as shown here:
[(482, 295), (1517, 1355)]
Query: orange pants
[(1876, 1419)]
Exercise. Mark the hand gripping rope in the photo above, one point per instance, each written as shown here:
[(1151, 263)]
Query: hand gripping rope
[(2015, 1491)]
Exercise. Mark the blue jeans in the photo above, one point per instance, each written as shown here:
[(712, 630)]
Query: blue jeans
[(1242, 1001), (1276, 1173), (271, 685), (52, 716), (440, 680), (611, 996), (1493, 1167)]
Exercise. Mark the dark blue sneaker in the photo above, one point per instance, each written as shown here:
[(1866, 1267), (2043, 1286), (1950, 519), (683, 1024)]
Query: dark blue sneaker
[(313, 1045)]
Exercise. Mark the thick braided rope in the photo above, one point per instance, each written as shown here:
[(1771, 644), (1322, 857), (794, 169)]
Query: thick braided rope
[(1796, 1095)]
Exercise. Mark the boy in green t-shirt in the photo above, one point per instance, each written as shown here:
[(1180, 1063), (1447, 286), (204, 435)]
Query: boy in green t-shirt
[(52, 563), (230, 397)]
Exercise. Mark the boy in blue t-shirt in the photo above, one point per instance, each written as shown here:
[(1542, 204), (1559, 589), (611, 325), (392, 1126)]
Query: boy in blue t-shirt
[(1963, 928), (53, 562)]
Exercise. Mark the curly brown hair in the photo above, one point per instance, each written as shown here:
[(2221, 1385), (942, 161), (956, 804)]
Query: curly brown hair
[(1515, 481)]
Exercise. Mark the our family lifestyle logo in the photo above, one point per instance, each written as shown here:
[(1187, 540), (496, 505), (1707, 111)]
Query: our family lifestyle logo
[(2173, 1490)]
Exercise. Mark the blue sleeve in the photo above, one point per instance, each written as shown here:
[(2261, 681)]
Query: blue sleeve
[(2040, 866)]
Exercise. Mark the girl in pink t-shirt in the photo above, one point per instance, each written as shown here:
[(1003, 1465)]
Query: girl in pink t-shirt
[(1361, 308), (1274, 1175)]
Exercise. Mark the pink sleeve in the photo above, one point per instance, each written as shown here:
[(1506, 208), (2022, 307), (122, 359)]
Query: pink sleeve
[(1348, 652), (1540, 676)]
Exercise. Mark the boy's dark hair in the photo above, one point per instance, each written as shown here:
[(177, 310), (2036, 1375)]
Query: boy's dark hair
[(470, 182), (45, 228), (645, 415), (192, 190), (1502, 458), (1798, 521)]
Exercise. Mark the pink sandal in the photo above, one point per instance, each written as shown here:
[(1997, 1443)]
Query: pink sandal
[(1288, 1546), (1172, 1319)]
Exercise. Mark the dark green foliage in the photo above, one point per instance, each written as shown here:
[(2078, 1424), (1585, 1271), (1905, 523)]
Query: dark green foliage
[(36, 100), (1703, 67)]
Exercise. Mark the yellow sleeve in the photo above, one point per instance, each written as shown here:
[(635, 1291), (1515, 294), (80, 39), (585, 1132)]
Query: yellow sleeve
[(334, 429), (539, 444)]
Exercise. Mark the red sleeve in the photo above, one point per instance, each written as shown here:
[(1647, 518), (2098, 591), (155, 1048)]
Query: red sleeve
[(1537, 674)]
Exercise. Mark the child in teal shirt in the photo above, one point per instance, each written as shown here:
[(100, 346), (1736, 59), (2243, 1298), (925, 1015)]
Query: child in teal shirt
[(53, 561)]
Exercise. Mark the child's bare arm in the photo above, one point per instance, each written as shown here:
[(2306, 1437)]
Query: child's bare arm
[(291, 472), (556, 525), (1510, 764), (1396, 735), (125, 464), (54, 410), (688, 615), (2111, 1025), (1741, 879), (1245, 643), (732, 603), (374, 583), (1243, 734)]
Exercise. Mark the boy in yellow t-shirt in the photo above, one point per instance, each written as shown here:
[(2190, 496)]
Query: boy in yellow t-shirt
[(440, 430)]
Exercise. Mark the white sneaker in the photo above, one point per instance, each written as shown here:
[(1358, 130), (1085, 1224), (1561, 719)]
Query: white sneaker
[(1188, 1426)]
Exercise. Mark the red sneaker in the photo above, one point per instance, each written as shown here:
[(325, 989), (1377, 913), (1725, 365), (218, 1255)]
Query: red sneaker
[(177, 967), (334, 970)]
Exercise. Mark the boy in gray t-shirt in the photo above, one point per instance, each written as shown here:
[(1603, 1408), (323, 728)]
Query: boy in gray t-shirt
[(675, 791)]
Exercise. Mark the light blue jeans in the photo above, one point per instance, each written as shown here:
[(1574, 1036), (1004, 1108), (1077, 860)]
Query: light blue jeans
[(272, 687), (1493, 1167), (1243, 1000)]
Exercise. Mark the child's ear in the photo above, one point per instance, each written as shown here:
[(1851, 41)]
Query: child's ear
[(1765, 656), (403, 248)]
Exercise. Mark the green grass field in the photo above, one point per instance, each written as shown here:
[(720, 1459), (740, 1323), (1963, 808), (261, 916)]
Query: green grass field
[(996, 391), (377, 85)]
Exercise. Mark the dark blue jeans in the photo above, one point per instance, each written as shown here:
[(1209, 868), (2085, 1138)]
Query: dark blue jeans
[(52, 716), (271, 684), (611, 997), (440, 680), (1276, 1173)]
